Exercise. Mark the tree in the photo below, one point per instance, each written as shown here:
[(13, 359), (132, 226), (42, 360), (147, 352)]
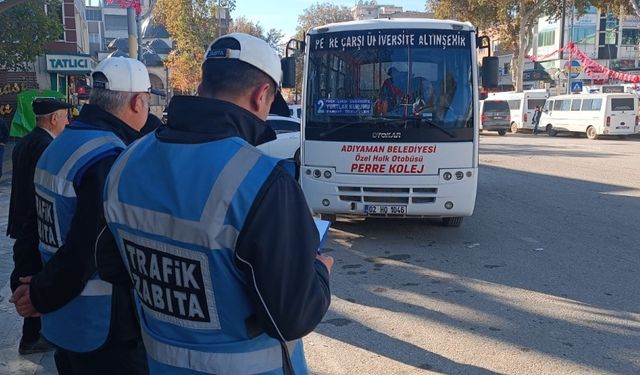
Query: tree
[(26, 30), (243, 25), (193, 26), (513, 21), (317, 14)]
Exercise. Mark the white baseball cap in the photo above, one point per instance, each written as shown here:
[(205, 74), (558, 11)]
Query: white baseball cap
[(254, 51), (123, 74)]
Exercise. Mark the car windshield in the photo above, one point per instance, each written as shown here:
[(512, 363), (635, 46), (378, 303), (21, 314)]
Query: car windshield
[(411, 82), (283, 126)]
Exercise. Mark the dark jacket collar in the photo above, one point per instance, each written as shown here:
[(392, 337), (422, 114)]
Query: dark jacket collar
[(193, 119), (94, 117)]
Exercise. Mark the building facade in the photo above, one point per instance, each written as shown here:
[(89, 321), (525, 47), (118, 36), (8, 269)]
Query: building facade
[(370, 10), (608, 39)]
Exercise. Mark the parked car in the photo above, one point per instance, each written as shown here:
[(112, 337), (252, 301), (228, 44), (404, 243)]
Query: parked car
[(287, 143), (495, 115), (295, 111)]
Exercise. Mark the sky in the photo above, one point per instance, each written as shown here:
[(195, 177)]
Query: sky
[(283, 14)]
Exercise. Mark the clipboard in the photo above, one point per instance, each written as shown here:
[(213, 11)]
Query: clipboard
[(323, 230)]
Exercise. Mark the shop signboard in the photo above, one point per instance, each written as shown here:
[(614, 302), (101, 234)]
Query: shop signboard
[(69, 63)]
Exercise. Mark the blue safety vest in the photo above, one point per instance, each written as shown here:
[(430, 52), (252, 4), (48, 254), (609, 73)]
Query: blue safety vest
[(82, 325), (176, 211)]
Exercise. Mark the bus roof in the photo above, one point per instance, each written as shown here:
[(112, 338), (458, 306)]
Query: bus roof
[(393, 23)]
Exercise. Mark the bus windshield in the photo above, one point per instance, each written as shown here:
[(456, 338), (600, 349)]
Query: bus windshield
[(404, 85)]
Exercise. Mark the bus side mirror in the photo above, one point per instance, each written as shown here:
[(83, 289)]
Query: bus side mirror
[(288, 72), (490, 77)]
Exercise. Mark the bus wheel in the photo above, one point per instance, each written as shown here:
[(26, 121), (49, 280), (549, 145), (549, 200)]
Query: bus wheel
[(514, 127), (502, 132), (452, 221), (592, 133)]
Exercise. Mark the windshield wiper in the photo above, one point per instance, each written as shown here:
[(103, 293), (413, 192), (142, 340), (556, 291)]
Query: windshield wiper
[(434, 125), (377, 121)]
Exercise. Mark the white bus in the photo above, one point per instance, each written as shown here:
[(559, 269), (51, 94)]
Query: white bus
[(522, 106), (593, 114), (390, 119)]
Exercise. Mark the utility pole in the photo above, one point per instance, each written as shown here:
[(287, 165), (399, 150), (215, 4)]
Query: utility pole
[(132, 31), (562, 19), (569, 91)]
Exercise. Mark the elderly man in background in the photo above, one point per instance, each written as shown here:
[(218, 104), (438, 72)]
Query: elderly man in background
[(51, 118)]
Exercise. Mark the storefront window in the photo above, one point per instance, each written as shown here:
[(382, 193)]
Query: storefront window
[(630, 37)]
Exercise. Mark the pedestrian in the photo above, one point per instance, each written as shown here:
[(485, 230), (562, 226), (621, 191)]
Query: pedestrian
[(4, 138), (51, 118), (91, 321), (535, 120), (216, 235)]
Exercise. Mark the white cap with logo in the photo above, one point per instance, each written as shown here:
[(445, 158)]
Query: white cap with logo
[(123, 74), (253, 51)]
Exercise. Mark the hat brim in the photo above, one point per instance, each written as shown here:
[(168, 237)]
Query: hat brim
[(279, 106), (161, 93)]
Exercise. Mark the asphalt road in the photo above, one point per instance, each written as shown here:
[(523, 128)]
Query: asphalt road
[(543, 278)]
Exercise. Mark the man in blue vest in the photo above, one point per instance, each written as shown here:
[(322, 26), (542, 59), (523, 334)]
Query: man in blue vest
[(216, 236), (91, 321)]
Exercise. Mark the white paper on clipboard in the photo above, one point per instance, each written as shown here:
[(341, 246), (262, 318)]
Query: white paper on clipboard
[(323, 230)]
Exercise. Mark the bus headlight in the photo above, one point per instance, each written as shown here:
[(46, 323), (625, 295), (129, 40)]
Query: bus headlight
[(459, 175), (317, 173), (327, 174), (448, 205), (447, 176)]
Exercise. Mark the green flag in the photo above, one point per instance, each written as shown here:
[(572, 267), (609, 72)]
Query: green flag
[(24, 120)]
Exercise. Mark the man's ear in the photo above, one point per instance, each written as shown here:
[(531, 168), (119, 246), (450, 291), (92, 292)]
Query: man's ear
[(260, 96), (137, 103)]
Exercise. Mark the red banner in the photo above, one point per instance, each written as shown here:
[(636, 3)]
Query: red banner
[(135, 4), (590, 67)]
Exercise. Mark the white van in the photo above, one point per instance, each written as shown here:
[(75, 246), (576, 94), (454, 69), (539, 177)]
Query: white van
[(593, 114), (522, 106)]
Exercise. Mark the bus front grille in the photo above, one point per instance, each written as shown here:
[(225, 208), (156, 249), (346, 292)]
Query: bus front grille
[(390, 195)]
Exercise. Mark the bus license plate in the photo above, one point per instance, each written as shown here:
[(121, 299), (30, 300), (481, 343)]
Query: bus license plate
[(385, 210)]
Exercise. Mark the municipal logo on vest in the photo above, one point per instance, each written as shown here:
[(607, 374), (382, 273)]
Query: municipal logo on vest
[(172, 282), (47, 227)]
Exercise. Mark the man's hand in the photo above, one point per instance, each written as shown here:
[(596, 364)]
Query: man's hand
[(326, 260), (22, 299)]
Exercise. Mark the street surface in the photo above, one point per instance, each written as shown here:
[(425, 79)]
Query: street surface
[(543, 278)]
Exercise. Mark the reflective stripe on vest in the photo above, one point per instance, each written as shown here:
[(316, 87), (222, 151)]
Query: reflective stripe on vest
[(254, 362), (162, 224), (60, 183)]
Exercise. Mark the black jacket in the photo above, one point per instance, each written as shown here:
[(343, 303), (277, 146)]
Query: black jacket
[(66, 274), (279, 238), (23, 223)]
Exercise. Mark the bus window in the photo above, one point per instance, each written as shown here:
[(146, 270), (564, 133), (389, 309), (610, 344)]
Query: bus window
[(586, 104), (622, 104), (514, 104), (557, 105), (576, 104), (597, 104), (566, 104), (548, 105), (533, 103)]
